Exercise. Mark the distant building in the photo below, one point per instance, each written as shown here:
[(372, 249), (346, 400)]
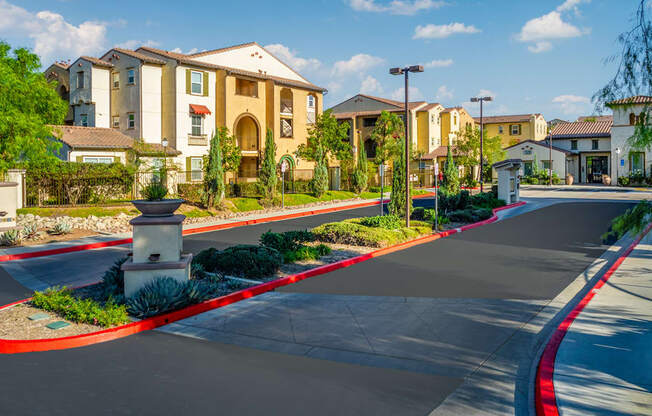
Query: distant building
[(552, 123), (627, 113), (596, 118), (513, 129)]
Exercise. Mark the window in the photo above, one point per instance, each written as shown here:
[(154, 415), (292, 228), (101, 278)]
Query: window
[(594, 145), (83, 120), (116, 80), (310, 115), (527, 168), (131, 121), (98, 159), (527, 151), (131, 76), (115, 122), (515, 129), (637, 162), (248, 88), (196, 168), (455, 120), (632, 118), (197, 125), (80, 79), (545, 164), (422, 165), (286, 127), (196, 80), (573, 144), (369, 121), (311, 102), (500, 129)]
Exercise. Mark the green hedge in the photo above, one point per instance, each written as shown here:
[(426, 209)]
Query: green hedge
[(354, 233), (242, 260)]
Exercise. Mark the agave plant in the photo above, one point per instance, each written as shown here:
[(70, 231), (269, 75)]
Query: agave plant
[(114, 279), (10, 238), (61, 227), (165, 294), (30, 231)]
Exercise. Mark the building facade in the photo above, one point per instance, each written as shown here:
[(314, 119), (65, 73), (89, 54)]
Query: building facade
[(151, 94), (513, 129)]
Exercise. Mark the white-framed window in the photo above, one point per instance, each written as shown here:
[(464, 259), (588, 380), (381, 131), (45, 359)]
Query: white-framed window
[(311, 104), (83, 119), (98, 159), (196, 81), (131, 76), (595, 144), (197, 125), (515, 129), (80, 79), (500, 129), (115, 79), (131, 120), (115, 122), (286, 127), (573, 144), (196, 168)]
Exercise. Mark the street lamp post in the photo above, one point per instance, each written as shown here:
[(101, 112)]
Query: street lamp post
[(164, 143), (481, 100), (550, 157), (405, 71), (617, 163)]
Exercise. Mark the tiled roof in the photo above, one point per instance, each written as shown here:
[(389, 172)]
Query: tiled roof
[(63, 65), (441, 151), (596, 118), (516, 118), (78, 137), (582, 129), (185, 59), (395, 103), (637, 99), (449, 109), (544, 143), (138, 55), (220, 50), (429, 107), (96, 61)]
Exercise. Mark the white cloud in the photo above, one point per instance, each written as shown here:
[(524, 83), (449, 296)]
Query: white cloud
[(540, 30), (541, 46), (356, 64), (401, 7), (431, 31), (572, 104), (135, 44), (189, 52), (414, 94), (443, 93), (53, 37), (370, 85), (438, 63), (290, 57)]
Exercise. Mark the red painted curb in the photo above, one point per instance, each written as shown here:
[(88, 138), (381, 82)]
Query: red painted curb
[(20, 346), (545, 399), (91, 246)]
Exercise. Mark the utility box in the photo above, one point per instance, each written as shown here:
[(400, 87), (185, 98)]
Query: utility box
[(8, 205), (508, 183)]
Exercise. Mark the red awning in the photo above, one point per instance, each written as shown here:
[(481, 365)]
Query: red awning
[(199, 109)]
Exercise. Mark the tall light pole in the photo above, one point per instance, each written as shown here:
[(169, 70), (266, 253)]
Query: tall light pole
[(617, 163), (481, 100), (405, 71), (550, 157)]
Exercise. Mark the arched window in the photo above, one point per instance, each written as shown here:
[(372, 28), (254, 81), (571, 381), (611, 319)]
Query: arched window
[(311, 108), (632, 119)]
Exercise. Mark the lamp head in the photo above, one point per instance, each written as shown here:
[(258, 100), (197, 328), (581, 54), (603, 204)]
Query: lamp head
[(164, 142), (416, 68), (474, 99), (395, 71)]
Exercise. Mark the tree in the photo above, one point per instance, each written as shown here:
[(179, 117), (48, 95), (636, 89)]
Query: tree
[(397, 200), (327, 139), (361, 173), (267, 178), (634, 72), (319, 182), (451, 182), (214, 176), (386, 134), (28, 104), (231, 152), (467, 151)]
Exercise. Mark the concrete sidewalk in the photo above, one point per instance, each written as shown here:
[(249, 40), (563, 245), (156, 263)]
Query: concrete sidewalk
[(604, 364)]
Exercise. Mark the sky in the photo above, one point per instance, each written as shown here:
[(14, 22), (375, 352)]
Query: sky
[(531, 56)]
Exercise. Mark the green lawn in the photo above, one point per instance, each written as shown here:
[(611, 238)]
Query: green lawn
[(245, 204), (79, 211)]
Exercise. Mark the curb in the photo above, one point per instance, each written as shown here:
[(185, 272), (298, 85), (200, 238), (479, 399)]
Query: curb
[(92, 246), (20, 346), (545, 398)]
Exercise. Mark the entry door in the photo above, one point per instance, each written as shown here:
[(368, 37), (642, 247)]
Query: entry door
[(527, 168), (596, 166)]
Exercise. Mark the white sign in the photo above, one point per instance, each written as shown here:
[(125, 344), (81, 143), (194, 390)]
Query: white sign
[(436, 168), (381, 170), (284, 166)]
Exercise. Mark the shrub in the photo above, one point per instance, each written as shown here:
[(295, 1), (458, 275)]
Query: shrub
[(86, 311), (155, 191), (452, 202), (353, 233), (418, 213), (164, 294), (10, 238), (214, 174), (634, 219), (361, 173), (470, 215), (29, 231), (319, 182), (287, 241), (534, 181), (267, 176), (486, 200), (113, 280), (397, 202), (191, 192), (623, 181), (206, 258), (247, 261), (306, 253), (61, 228), (388, 222)]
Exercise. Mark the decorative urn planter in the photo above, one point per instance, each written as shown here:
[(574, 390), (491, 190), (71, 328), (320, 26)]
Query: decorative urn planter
[(606, 179), (569, 179), (160, 208)]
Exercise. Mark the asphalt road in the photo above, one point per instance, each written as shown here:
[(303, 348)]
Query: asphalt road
[(531, 256)]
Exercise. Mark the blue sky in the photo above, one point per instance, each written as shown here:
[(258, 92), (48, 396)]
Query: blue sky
[(532, 56)]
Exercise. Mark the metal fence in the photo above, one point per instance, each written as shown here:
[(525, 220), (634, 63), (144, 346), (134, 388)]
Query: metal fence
[(64, 190)]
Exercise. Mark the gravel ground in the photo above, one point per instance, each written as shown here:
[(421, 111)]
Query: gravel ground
[(14, 324)]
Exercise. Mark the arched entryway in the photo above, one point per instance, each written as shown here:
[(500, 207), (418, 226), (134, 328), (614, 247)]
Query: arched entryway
[(288, 175), (247, 134)]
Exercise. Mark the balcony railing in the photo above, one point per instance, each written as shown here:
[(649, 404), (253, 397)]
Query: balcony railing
[(286, 108)]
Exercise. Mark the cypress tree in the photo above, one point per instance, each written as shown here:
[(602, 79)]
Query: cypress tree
[(267, 178), (397, 200), (451, 185), (361, 173), (214, 175)]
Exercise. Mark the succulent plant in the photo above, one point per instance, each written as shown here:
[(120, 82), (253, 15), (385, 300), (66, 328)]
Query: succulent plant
[(155, 191), (61, 227), (114, 279), (10, 238), (30, 231), (165, 294)]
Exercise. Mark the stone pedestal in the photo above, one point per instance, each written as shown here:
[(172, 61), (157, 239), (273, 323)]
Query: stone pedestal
[(508, 183), (8, 205), (157, 248)]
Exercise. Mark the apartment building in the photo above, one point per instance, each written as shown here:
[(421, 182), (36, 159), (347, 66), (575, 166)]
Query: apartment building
[(513, 129), (151, 94)]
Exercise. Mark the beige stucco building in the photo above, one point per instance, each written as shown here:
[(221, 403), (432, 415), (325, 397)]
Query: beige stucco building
[(513, 129), (151, 94)]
